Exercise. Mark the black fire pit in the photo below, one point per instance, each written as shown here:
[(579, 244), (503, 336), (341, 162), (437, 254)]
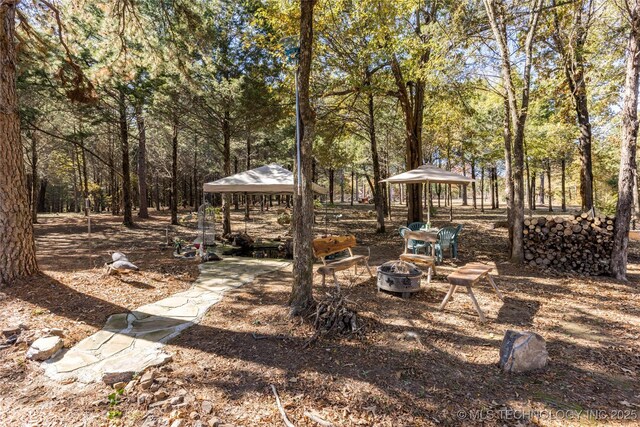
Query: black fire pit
[(399, 276)]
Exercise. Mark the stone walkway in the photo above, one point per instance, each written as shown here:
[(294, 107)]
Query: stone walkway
[(129, 343)]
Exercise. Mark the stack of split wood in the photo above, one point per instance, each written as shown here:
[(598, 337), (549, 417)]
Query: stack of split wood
[(580, 244)]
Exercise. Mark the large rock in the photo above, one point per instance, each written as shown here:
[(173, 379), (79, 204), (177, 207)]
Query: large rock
[(44, 348), (111, 377), (522, 351)]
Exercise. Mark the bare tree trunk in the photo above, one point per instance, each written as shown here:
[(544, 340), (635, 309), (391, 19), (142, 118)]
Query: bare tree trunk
[(411, 97), (572, 49), (34, 178), (549, 185), (518, 114), (196, 189), (628, 146), (473, 184), (143, 212), (532, 190), (157, 192), (482, 189), (332, 173), (17, 246), (563, 167), (352, 184), (528, 183), (301, 298), (246, 198), (377, 190), (226, 157), (492, 187), (126, 175), (495, 182), (174, 173)]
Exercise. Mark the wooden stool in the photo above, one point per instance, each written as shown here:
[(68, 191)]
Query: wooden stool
[(468, 276), (428, 262)]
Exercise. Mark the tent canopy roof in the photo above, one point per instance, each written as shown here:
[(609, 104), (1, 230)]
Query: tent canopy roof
[(267, 179), (429, 173)]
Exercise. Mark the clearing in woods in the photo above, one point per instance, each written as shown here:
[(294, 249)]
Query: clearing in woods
[(414, 365)]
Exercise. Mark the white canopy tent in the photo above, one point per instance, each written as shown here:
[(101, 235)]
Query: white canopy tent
[(426, 174), (267, 179)]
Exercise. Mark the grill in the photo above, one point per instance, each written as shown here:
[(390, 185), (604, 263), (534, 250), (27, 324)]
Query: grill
[(399, 276)]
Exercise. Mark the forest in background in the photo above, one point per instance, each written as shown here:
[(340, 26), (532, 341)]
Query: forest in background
[(129, 104), (162, 96)]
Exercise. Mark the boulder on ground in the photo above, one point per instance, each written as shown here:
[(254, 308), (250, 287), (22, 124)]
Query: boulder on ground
[(522, 351), (44, 348), (146, 380), (11, 330), (112, 377)]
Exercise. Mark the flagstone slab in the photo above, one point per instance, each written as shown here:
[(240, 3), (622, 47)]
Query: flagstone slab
[(131, 342)]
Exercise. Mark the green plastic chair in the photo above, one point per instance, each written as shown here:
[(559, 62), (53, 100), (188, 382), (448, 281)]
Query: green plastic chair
[(418, 244), (448, 239), (412, 245)]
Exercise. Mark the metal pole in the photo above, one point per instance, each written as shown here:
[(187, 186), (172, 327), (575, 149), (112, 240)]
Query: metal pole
[(299, 165)]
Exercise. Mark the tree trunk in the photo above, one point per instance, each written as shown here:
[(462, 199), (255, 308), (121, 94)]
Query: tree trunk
[(226, 158), (549, 185), (532, 191), (463, 188), (196, 189), (572, 51), (473, 184), (17, 246), (174, 173), (563, 167), (301, 299), (628, 147), (411, 97), (518, 114), (331, 184), (541, 201), (352, 184), (528, 171), (482, 189), (247, 208), (157, 192), (495, 182), (126, 176), (378, 198), (85, 189), (491, 186), (143, 212), (508, 169), (34, 178)]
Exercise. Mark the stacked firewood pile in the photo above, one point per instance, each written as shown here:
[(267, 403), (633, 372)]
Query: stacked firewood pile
[(580, 244)]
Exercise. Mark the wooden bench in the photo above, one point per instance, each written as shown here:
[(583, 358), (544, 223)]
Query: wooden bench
[(468, 276), (325, 246), (425, 261)]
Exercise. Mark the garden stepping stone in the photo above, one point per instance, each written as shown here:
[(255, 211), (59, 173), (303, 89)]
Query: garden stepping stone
[(129, 343)]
